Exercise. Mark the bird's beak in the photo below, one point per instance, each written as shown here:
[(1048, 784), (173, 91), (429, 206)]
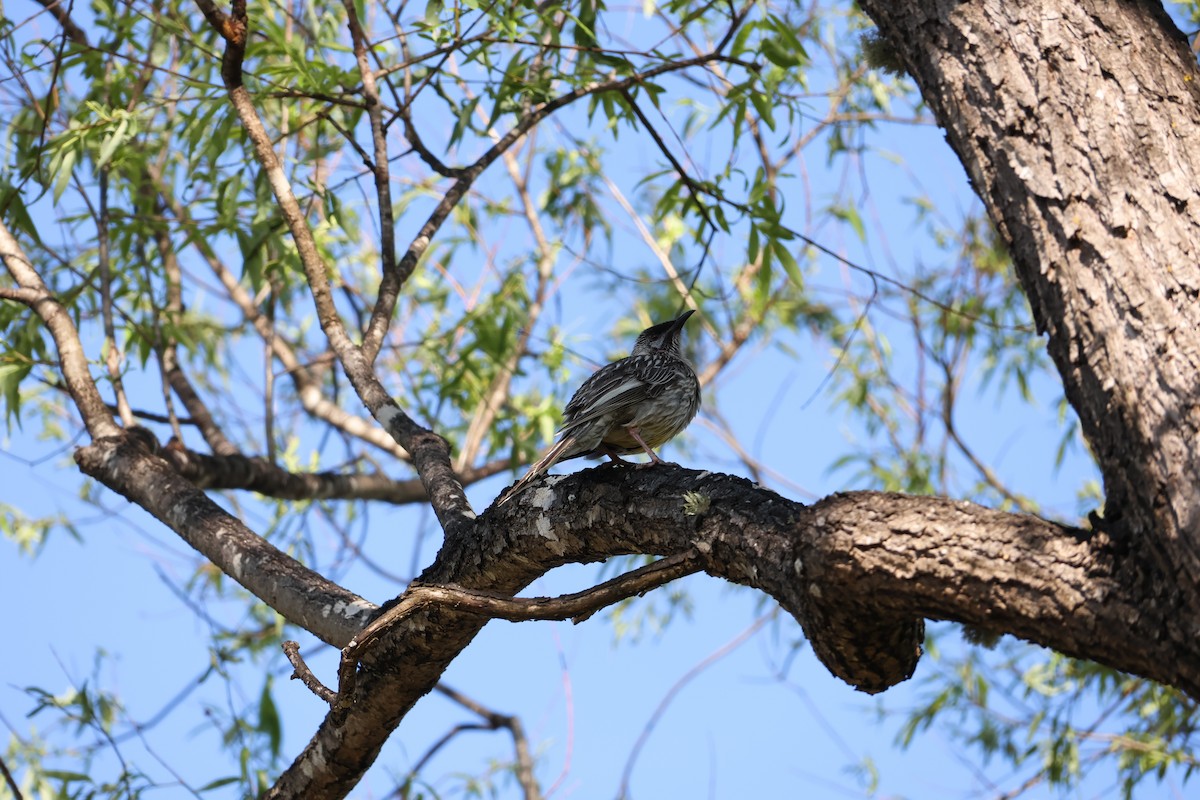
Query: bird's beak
[(682, 318)]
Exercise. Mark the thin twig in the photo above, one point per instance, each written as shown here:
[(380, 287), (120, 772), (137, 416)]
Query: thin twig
[(12, 784), (380, 167), (305, 675), (113, 357), (511, 723), (687, 678)]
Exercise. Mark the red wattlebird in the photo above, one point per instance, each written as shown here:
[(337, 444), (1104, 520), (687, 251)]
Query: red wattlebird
[(629, 406)]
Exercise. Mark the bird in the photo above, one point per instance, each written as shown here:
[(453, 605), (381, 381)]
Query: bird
[(632, 405)]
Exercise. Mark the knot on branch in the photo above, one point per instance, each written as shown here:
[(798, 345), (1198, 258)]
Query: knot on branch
[(871, 652)]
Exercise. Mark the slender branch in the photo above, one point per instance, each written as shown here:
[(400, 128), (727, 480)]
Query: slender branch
[(430, 452), (669, 697), (511, 723), (373, 338), (380, 168), (577, 607), (10, 781), (70, 29), (693, 187), (236, 471), (126, 465), (404, 791), (165, 350), (75, 370), (664, 258), (113, 356), (497, 393), (989, 476), (305, 675), (307, 385)]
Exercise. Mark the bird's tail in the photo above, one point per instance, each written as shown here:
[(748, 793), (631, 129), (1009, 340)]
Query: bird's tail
[(544, 463)]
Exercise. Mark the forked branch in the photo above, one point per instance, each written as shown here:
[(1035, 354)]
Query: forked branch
[(577, 606)]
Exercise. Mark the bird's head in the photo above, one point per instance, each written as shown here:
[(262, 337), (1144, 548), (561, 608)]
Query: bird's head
[(661, 337)]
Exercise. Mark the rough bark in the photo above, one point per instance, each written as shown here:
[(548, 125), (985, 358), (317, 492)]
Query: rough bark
[(1079, 124), (860, 571), (127, 465)]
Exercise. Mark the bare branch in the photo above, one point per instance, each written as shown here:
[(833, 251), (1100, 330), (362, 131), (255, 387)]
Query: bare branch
[(669, 697), (380, 167), (301, 671), (304, 378), (78, 377), (126, 465), (389, 289), (989, 476), (430, 452), (577, 606), (70, 29), (236, 471), (113, 357), (10, 781), (511, 723), (497, 393)]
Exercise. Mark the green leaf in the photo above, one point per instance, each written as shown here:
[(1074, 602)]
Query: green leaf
[(62, 174), (764, 107), (849, 215), (218, 783), (784, 254), (66, 776), (775, 52), (11, 377), (112, 142), (12, 207), (268, 718)]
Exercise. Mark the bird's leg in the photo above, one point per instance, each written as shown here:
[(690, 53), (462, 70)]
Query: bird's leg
[(637, 437), (612, 454)]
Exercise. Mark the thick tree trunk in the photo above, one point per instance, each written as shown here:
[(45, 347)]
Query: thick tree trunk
[(1079, 123)]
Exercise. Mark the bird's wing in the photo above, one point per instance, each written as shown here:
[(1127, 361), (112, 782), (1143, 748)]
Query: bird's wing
[(617, 386)]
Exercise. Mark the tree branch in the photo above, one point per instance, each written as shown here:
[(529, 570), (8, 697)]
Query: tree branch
[(430, 452), (75, 370), (577, 607), (380, 317), (859, 571), (1104, 243), (301, 672), (70, 29), (258, 474), (113, 356), (379, 169), (304, 379), (511, 723), (126, 465)]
